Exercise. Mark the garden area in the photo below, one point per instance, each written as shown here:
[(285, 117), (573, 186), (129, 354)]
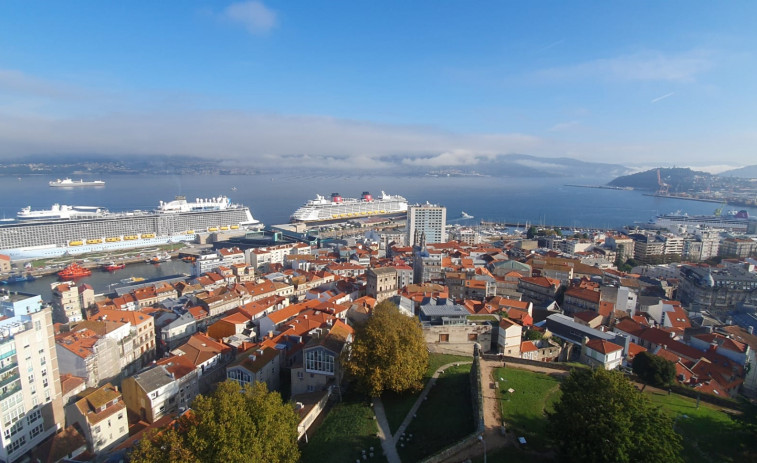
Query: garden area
[(709, 434), (523, 410), (348, 429), (443, 419), (397, 406)]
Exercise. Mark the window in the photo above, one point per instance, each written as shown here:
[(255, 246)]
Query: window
[(472, 336), (444, 337), (36, 430)]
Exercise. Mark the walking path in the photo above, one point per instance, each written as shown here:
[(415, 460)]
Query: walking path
[(385, 435), (389, 441)]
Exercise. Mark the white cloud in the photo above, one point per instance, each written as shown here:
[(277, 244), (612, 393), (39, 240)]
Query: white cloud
[(562, 126), (642, 66), (254, 16)]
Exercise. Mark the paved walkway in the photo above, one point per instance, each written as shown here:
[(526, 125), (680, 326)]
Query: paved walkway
[(387, 442)]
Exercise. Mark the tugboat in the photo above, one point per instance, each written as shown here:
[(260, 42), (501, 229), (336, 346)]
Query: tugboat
[(73, 271), (159, 258), (112, 267)]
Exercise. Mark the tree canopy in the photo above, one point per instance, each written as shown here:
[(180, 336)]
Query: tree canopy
[(388, 352), (653, 369), (602, 417), (227, 426)]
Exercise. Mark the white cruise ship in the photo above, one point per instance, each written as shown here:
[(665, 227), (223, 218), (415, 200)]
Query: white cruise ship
[(733, 221), (337, 208), (67, 182), (79, 229)]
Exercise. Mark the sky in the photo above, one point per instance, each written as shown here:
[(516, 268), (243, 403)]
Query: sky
[(355, 84)]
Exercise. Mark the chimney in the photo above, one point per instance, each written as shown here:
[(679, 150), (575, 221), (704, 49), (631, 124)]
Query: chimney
[(672, 334), (750, 329), (252, 357)]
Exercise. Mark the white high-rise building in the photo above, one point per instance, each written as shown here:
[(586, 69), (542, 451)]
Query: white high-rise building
[(30, 392), (426, 224)]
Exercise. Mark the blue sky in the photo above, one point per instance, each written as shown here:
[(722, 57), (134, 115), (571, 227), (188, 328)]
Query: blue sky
[(432, 83)]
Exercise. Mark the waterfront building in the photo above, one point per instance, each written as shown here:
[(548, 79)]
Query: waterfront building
[(426, 223), (718, 290), (14, 303), (737, 247), (30, 391)]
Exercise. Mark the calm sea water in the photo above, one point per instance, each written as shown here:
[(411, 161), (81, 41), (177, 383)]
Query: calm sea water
[(272, 199)]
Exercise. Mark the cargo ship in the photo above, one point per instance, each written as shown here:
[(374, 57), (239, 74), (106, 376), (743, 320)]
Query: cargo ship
[(336, 208), (73, 271), (71, 230), (67, 182)]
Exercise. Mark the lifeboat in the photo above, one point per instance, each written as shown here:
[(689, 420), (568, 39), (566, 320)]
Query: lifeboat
[(112, 267), (95, 241), (189, 232), (131, 237), (234, 227), (225, 227), (212, 229), (74, 270), (148, 235), (75, 243), (113, 239)]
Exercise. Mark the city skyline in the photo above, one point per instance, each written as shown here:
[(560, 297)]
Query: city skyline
[(345, 85)]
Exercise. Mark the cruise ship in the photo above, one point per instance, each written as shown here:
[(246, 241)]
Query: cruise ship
[(74, 230), (336, 208), (734, 221), (67, 182)]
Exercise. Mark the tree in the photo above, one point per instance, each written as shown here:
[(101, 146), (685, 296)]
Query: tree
[(533, 335), (388, 352), (654, 370), (532, 231), (602, 417), (228, 426)]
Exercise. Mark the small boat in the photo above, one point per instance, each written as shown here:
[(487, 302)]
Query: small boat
[(112, 266), (159, 258), (74, 270), (130, 280), (148, 235), (465, 215), (18, 278)]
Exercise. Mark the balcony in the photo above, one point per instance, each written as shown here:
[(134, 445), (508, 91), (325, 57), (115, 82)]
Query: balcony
[(10, 390)]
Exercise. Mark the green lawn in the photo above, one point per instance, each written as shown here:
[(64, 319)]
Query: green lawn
[(443, 419), (524, 410), (708, 433), (513, 455), (397, 406), (348, 429)]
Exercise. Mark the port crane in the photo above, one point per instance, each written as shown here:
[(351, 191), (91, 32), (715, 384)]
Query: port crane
[(663, 187)]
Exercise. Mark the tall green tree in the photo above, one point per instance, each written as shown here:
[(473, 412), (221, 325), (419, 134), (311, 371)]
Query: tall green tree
[(388, 352), (602, 417), (654, 370), (228, 426)]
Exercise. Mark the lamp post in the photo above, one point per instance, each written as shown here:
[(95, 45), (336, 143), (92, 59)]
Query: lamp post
[(481, 439)]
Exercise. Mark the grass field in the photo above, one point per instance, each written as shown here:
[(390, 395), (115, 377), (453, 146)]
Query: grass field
[(397, 406), (348, 429), (708, 433), (443, 419), (523, 410)]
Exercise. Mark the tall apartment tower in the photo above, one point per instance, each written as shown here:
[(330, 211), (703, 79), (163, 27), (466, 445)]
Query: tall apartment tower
[(426, 224), (31, 406)]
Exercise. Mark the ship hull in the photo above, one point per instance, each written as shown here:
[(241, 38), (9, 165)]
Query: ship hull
[(393, 215), (115, 232)]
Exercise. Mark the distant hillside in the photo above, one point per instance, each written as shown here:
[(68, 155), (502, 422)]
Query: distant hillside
[(742, 172), (518, 165), (679, 180)]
